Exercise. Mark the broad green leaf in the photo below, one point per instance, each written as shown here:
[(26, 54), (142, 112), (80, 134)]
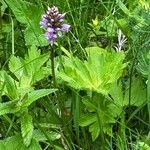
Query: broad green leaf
[(87, 119), (88, 103), (109, 23), (30, 69), (29, 14), (25, 84), (98, 125), (34, 35), (35, 95), (145, 4), (97, 73), (116, 93), (27, 128), (19, 9), (33, 63), (100, 115), (13, 143), (24, 11), (138, 93), (107, 129)]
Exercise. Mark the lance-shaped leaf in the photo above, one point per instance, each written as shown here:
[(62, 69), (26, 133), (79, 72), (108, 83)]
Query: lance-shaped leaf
[(27, 128), (35, 95), (8, 107), (10, 86)]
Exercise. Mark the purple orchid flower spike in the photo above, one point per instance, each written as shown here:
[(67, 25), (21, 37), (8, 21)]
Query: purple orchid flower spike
[(53, 23), (65, 28)]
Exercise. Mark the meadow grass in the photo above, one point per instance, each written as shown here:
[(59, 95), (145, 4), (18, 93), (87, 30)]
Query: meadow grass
[(93, 92)]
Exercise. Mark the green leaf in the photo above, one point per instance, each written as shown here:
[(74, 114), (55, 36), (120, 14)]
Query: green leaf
[(34, 35), (100, 115), (33, 63), (123, 7), (21, 9), (88, 103), (11, 86), (16, 66), (8, 107), (27, 128), (138, 93), (3, 90), (97, 73), (142, 146), (29, 14), (34, 146), (143, 64), (24, 11), (35, 95), (16, 143), (95, 130), (39, 136), (30, 69), (13, 143), (35, 58), (2, 145), (3, 7), (87, 119)]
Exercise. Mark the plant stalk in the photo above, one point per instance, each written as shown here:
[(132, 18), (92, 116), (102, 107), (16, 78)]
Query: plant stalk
[(53, 67)]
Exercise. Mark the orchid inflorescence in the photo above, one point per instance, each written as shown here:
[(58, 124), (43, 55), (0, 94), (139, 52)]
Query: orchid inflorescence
[(53, 22)]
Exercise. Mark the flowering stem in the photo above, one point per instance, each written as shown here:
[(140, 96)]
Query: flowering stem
[(53, 67)]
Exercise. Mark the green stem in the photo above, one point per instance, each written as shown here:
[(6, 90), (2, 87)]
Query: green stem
[(76, 114), (12, 37), (100, 119), (148, 91), (53, 67), (130, 77), (10, 126), (100, 122), (121, 134), (59, 98)]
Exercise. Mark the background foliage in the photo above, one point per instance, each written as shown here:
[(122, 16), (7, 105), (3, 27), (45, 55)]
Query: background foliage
[(101, 99)]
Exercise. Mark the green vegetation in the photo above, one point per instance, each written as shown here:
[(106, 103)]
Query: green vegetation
[(87, 89)]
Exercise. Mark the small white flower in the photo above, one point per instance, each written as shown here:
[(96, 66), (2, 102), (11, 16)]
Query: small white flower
[(121, 40)]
